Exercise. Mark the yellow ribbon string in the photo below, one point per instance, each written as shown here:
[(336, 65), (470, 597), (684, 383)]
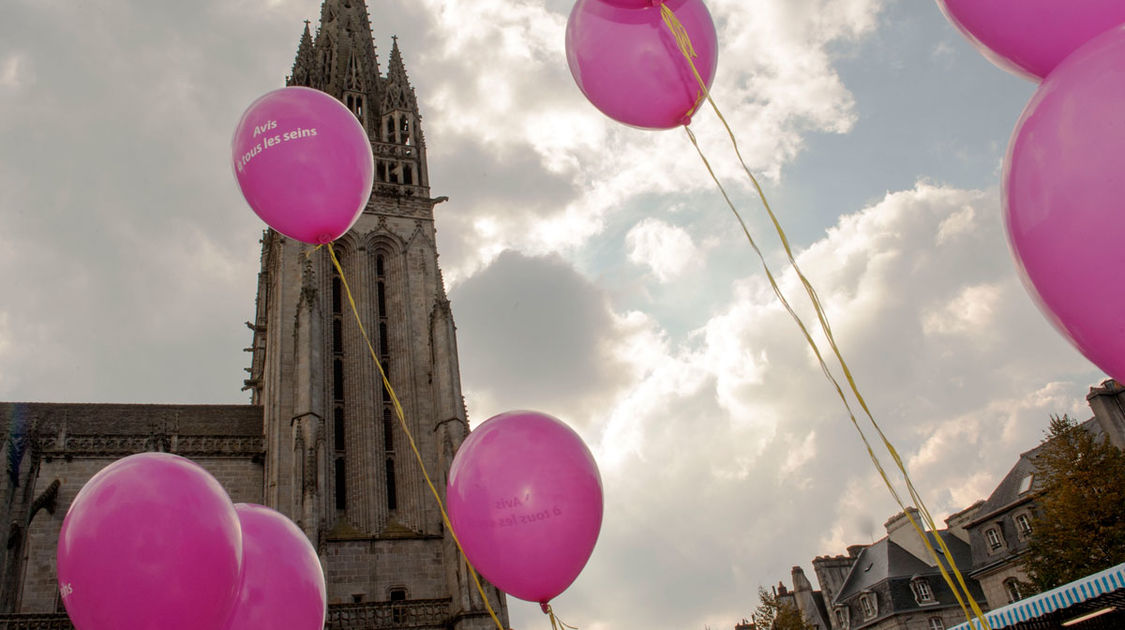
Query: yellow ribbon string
[(556, 623), (680, 35), (409, 436)]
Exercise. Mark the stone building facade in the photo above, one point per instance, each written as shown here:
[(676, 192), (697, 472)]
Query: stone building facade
[(319, 440), (894, 584), (1000, 526)]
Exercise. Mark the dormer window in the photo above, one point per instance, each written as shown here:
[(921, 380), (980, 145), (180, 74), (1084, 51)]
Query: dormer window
[(1023, 525), (995, 540), (923, 594), (869, 604), (842, 617)]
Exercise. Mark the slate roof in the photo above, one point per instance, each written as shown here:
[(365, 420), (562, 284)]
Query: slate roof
[(885, 560), (1007, 492), (1007, 496)]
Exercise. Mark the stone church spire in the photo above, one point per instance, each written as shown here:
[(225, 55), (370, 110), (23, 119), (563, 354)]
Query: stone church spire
[(398, 93), (306, 68), (336, 458), (345, 50)]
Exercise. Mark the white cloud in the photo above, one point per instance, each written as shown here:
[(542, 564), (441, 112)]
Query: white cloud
[(733, 431), (505, 84), (970, 310), (5, 342), (667, 250), (15, 71)]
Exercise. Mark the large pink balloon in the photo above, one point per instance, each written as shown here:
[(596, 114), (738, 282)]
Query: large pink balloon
[(1064, 188), (628, 64), (151, 542), (282, 581), (525, 500), (633, 4), (1031, 37), (304, 163)]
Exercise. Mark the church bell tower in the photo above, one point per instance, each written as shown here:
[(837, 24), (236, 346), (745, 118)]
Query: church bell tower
[(336, 460)]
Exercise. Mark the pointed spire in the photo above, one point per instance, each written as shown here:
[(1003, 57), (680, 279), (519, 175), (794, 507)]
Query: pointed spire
[(306, 69), (344, 45), (398, 93)]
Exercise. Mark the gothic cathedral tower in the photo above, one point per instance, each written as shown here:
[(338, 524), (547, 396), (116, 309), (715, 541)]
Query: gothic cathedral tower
[(336, 460)]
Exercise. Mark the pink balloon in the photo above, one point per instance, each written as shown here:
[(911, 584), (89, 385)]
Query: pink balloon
[(304, 163), (151, 542), (525, 500), (282, 580), (633, 4), (627, 63), (1031, 37), (1065, 198)]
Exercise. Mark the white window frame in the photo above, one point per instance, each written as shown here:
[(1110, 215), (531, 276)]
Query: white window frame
[(994, 539), (1023, 524), (1012, 585), (923, 594), (869, 604), (935, 623)]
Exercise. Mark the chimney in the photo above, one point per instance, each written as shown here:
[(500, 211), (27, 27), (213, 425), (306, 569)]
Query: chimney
[(800, 582), (831, 571), (957, 522), (1108, 404), (903, 534)]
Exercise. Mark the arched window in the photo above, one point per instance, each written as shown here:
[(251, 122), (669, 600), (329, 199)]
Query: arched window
[(392, 495), (1012, 587), (341, 485), (388, 128), (385, 360), (338, 380), (398, 611), (405, 131), (339, 431), (388, 432)]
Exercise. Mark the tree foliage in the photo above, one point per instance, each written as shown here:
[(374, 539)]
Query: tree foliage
[(1079, 527), (773, 613)]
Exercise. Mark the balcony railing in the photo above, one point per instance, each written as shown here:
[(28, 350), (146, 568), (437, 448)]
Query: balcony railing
[(415, 614), (51, 621)]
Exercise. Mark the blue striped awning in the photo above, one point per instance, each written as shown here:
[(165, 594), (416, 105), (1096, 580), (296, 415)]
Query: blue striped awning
[(1062, 597)]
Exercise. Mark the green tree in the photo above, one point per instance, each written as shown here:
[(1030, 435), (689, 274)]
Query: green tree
[(774, 614), (1079, 527)]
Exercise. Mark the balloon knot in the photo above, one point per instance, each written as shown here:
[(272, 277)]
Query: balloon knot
[(545, 607), (686, 120)]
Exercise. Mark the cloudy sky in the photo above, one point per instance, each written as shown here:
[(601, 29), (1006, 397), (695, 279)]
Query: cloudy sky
[(594, 271)]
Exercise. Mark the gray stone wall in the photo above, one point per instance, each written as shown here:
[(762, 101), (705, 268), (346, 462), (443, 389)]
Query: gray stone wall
[(70, 443)]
